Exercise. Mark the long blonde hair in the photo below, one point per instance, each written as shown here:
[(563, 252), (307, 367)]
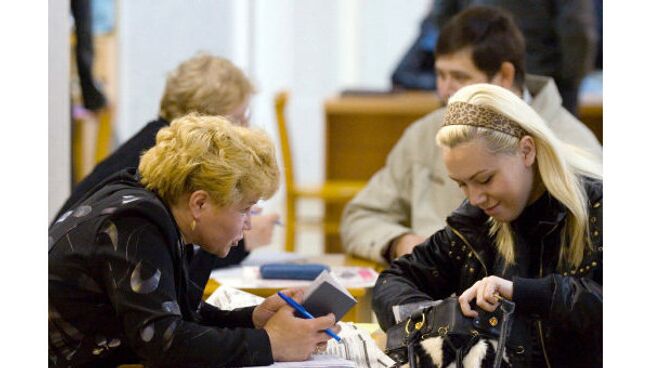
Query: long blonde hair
[(195, 152), (560, 166)]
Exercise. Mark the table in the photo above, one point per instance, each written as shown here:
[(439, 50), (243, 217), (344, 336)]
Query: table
[(361, 312)]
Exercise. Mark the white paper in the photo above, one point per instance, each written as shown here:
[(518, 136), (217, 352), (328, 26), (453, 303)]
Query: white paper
[(227, 298)]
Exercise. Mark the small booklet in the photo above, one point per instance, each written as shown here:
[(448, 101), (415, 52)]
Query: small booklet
[(326, 295)]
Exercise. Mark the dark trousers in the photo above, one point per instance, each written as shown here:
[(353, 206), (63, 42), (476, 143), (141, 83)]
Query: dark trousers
[(93, 98)]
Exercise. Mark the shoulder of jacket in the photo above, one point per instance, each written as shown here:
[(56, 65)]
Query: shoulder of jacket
[(594, 190), (428, 123), (422, 130)]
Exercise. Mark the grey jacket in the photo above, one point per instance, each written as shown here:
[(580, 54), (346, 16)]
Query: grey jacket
[(413, 193)]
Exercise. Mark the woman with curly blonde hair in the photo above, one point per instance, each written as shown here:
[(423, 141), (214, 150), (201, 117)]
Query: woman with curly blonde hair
[(119, 290), (530, 231)]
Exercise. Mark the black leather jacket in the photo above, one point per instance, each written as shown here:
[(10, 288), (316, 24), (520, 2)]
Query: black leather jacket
[(558, 308)]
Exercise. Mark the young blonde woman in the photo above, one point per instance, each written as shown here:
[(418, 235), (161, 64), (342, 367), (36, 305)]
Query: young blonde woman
[(119, 290), (530, 231)]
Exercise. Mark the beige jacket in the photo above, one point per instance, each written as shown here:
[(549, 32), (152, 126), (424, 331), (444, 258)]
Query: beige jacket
[(413, 193)]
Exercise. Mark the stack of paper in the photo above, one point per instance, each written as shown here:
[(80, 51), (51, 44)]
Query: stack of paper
[(357, 345)]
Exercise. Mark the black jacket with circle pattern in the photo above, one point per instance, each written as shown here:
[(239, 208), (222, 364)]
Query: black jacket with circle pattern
[(119, 290)]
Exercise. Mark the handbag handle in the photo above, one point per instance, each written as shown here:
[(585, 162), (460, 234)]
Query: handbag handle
[(508, 308)]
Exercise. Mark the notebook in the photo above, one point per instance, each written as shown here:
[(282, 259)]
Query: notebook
[(326, 295)]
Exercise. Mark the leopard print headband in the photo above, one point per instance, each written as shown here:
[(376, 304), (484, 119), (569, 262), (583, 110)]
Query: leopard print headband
[(463, 113)]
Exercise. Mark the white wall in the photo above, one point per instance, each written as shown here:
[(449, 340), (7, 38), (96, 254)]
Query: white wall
[(313, 48), (58, 105), (153, 38)]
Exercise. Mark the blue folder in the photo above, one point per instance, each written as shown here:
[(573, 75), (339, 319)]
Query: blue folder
[(292, 271)]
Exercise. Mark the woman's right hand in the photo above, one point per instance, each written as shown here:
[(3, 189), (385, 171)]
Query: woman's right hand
[(295, 339)]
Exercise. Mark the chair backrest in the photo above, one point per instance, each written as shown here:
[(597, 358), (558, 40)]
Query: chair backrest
[(285, 144), (280, 102)]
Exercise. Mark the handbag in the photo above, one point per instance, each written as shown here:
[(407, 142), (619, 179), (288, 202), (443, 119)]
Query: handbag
[(439, 335)]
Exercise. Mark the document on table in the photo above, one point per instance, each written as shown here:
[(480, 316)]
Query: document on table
[(358, 346)]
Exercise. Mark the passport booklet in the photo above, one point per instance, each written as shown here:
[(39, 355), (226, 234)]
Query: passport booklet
[(326, 295)]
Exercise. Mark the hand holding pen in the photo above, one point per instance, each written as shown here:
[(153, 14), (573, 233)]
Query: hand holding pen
[(304, 313), (292, 338)]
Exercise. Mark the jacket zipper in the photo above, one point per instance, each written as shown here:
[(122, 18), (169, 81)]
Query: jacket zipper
[(470, 248), (541, 274)]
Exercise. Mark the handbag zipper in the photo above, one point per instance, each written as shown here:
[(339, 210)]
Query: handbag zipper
[(470, 248)]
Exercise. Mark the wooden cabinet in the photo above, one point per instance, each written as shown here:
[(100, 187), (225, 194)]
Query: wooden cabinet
[(360, 131)]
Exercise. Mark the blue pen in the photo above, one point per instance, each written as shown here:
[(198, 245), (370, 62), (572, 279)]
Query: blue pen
[(303, 312)]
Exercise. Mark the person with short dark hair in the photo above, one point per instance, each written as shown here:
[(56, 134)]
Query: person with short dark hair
[(560, 37), (410, 197)]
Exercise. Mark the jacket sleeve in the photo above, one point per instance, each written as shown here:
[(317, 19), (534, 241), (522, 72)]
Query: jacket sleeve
[(572, 299), (381, 211), (575, 302), (213, 316), (575, 25), (140, 282), (426, 274)]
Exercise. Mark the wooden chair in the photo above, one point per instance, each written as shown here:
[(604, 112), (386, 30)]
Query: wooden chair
[(329, 192), (91, 141)]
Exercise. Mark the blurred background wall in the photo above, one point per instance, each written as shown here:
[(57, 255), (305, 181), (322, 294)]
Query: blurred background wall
[(314, 49)]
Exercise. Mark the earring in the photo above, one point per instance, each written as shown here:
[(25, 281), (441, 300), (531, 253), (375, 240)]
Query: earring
[(193, 225)]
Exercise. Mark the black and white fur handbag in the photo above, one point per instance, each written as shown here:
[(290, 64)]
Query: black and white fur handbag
[(441, 336)]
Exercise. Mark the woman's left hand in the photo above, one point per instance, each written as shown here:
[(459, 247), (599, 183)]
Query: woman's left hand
[(261, 232), (270, 305), (485, 292)]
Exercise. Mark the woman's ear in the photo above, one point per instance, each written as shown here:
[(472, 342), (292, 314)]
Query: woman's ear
[(198, 201), (505, 77), (528, 150)]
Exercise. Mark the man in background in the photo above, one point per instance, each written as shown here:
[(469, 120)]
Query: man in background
[(410, 197), (560, 37)]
